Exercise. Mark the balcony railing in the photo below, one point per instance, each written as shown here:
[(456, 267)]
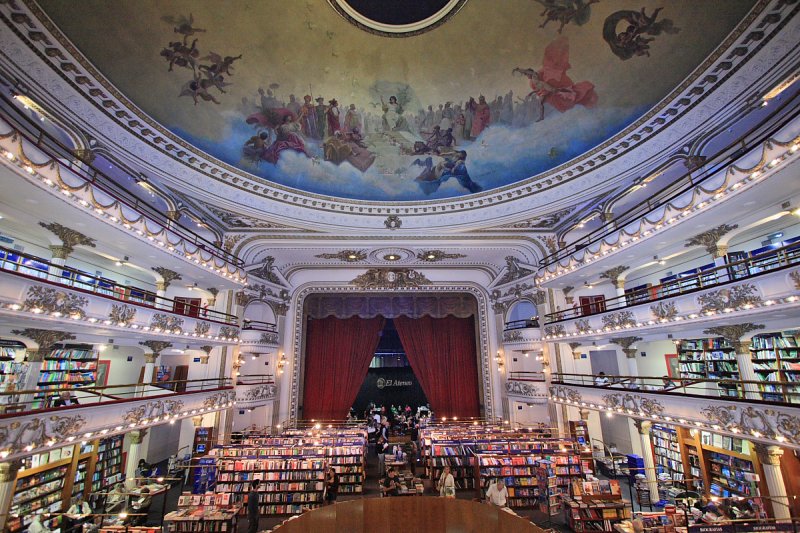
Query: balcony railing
[(25, 402), (30, 130), (688, 181), (751, 267), (773, 392), (30, 266), (532, 322), (526, 376), (257, 325)]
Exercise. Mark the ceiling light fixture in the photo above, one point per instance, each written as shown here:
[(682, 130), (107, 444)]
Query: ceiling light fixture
[(123, 261)]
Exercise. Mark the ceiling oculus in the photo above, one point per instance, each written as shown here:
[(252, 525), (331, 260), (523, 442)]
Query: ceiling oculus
[(397, 18)]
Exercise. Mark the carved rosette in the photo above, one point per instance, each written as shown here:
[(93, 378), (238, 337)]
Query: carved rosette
[(393, 222), (52, 301), (729, 298), (348, 256), (395, 278)]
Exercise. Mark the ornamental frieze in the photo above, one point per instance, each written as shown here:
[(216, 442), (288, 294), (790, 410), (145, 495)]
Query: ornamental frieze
[(41, 430), (167, 323), (664, 310), (268, 337), (582, 325), (521, 388), (760, 421), (52, 301), (202, 328), (229, 332), (262, 392), (384, 278), (796, 279), (635, 403), (122, 314), (621, 319), (512, 336), (152, 410), (220, 399), (348, 256), (554, 331), (565, 393), (729, 298)]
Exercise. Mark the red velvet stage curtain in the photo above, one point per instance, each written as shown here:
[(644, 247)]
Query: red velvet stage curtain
[(338, 354), (442, 353)]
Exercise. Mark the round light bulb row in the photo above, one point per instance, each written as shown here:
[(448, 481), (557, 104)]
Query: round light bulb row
[(160, 239), (606, 249), (677, 318)]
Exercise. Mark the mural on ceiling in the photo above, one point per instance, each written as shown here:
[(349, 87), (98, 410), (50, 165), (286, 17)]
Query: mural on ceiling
[(295, 94)]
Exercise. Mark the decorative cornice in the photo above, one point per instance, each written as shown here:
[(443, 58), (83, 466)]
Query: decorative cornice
[(168, 323), (156, 347), (521, 388), (514, 271), (348, 256), (44, 338), (167, 275), (514, 335), (385, 278), (708, 239), (619, 319), (70, 238), (433, 256), (734, 332)]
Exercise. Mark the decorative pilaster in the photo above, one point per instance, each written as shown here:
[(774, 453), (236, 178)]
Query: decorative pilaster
[(734, 335), (770, 458), (644, 427), (626, 343), (150, 358), (213, 300), (134, 454), (8, 476)]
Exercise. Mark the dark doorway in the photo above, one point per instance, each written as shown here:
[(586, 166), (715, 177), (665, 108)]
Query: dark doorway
[(390, 379)]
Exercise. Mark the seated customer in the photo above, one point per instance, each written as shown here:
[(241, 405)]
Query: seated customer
[(389, 485), (141, 507), (601, 380)]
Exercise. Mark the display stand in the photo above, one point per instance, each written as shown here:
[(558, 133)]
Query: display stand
[(595, 506), (202, 513)]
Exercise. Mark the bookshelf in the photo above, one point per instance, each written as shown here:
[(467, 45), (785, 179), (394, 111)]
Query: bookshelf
[(696, 479), (777, 358), (579, 430), (549, 492), (595, 512), (711, 359), (457, 455), (36, 491), (72, 366), (667, 455), (12, 373), (518, 473), (730, 474), (108, 466)]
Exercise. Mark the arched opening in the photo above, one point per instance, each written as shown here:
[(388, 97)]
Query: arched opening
[(523, 314)]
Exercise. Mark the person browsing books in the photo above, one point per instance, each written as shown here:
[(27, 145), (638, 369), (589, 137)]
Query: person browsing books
[(252, 508), (447, 483), (331, 485), (497, 494)]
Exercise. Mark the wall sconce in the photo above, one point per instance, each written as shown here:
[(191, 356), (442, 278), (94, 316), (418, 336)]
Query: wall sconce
[(499, 359), (281, 363)]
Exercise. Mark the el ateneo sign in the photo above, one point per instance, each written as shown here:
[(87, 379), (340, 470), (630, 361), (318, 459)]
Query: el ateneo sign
[(383, 383)]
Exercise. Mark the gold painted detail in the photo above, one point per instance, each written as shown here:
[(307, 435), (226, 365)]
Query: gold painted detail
[(229, 332), (755, 421), (219, 399), (613, 274), (152, 410), (393, 222), (348, 256), (156, 346), (729, 298), (621, 319), (565, 393), (262, 392), (734, 332), (122, 314), (167, 275), (514, 270), (796, 279), (555, 331), (625, 342), (40, 430), (512, 336), (44, 338), (521, 388), (55, 302), (582, 325), (267, 271), (708, 239), (166, 323), (634, 402), (664, 311), (70, 238), (202, 328), (268, 338), (433, 256), (396, 278)]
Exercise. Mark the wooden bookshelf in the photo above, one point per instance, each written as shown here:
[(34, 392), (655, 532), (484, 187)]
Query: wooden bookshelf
[(72, 366), (594, 514), (777, 358), (710, 359)]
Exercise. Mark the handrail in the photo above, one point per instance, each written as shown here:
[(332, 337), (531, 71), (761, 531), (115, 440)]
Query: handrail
[(103, 287), (23, 402), (767, 262), (48, 144), (783, 392), (532, 322), (526, 376), (264, 379), (258, 325), (683, 184)]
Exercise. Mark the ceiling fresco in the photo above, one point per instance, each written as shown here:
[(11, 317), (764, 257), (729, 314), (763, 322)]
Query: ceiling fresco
[(297, 94)]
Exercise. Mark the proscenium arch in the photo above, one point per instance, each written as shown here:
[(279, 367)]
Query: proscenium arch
[(485, 385)]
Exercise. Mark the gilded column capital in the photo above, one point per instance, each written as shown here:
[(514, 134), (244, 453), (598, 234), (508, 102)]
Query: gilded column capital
[(734, 334), (8, 471), (643, 426), (69, 237), (59, 252), (44, 338), (615, 276), (167, 277), (769, 454), (156, 347), (138, 436), (197, 421), (584, 413), (150, 357), (710, 239), (626, 343)]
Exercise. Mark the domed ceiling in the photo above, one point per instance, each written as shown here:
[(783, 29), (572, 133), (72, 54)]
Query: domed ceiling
[(456, 97)]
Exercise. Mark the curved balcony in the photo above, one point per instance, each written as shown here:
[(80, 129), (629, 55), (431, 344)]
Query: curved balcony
[(256, 333), (755, 287), (726, 406), (102, 411), (36, 287), (529, 385), (700, 188), (255, 390)]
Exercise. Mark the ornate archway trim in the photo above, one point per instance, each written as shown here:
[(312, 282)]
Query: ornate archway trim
[(479, 293)]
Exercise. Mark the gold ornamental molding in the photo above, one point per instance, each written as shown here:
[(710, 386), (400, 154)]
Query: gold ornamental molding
[(44, 338), (69, 238), (167, 276), (348, 256), (156, 347), (710, 239), (394, 278), (434, 256)]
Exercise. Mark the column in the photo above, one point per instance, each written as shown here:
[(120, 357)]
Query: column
[(647, 453), (8, 475), (161, 293), (57, 260), (720, 251), (134, 454), (770, 458), (746, 371), (34, 359)]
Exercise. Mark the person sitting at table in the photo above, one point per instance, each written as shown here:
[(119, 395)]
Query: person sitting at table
[(497, 494), (389, 485), (75, 515), (142, 470), (64, 398), (36, 525), (116, 499), (141, 506), (446, 484)]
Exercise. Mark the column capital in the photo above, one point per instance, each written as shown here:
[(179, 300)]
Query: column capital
[(59, 251), (167, 277), (150, 358), (197, 421), (710, 239), (769, 454), (156, 346), (734, 334), (630, 353), (615, 276), (69, 237), (626, 343), (584, 413), (720, 250), (138, 436), (643, 426), (8, 471)]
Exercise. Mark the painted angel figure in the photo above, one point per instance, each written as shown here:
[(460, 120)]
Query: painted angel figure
[(183, 26), (551, 85)]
